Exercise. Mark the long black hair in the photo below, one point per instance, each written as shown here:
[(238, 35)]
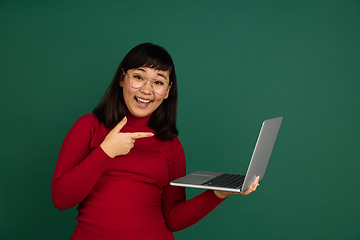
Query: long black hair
[(112, 107)]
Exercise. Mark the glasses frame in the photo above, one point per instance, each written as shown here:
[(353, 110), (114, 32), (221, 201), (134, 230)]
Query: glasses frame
[(151, 83)]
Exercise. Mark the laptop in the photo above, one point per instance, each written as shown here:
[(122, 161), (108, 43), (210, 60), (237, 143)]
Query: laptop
[(238, 182)]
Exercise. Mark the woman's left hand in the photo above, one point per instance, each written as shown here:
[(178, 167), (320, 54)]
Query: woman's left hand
[(252, 188)]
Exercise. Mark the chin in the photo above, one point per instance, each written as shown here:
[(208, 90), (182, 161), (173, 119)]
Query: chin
[(139, 113)]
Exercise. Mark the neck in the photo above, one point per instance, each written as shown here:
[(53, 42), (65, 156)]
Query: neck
[(137, 122)]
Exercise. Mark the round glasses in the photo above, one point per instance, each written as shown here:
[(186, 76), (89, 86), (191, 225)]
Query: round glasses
[(138, 80)]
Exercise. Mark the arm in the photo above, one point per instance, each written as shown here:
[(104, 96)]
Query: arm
[(78, 167), (179, 213)]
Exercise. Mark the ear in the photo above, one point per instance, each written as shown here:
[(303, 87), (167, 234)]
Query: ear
[(167, 94), (121, 83)]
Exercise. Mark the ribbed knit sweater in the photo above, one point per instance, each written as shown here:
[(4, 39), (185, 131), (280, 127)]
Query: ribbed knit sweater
[(129, 196)]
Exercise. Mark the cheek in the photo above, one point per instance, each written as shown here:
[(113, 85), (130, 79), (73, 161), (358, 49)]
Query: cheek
[(159, 101), (128, 94), (127, 90)]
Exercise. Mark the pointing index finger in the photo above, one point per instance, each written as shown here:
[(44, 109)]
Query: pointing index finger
[(141, 135), (120, 125)]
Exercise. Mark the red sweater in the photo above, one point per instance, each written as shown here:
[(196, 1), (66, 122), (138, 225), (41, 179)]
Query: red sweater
[(127, 197)]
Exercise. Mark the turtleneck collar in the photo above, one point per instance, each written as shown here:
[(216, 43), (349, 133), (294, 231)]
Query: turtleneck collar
[(137, 122)]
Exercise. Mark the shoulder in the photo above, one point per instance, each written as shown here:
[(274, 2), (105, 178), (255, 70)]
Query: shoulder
[(176, 141), (177, 159), (87, 122), (173, 143), (175, 148), (87, 119)]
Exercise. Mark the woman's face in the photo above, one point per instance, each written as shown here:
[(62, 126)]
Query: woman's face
[(143, 101)]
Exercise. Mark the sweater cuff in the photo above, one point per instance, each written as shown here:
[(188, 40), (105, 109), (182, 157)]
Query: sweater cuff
[(101, 155)]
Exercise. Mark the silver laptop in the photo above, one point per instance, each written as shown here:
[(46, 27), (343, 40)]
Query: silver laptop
[(238, 182)]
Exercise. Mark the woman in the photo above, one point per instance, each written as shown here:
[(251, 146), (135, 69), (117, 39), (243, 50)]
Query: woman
[(117, 162)]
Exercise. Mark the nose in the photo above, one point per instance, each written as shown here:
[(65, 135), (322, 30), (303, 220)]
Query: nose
[(147, 88)]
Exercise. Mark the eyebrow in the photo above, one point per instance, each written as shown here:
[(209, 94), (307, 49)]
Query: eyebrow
[(159, 74)]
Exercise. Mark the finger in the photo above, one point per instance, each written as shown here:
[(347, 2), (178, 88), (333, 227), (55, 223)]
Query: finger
[(120, 125), (251, 189), (255, 183), (138, 135), (244, 193), (247, 191)]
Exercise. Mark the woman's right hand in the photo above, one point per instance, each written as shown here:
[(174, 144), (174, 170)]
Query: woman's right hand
[(117, 143)]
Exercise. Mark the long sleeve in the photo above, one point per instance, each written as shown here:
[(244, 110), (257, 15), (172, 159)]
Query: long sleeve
[(128, 197), (79, 166), (180, 213)]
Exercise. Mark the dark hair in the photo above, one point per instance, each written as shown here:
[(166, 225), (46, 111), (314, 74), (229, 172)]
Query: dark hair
[(112, 107)]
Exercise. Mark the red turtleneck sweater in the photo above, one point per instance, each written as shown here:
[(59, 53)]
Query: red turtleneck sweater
[(127, 197)]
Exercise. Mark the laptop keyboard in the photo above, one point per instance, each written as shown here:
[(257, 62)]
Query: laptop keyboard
[(226, 180)]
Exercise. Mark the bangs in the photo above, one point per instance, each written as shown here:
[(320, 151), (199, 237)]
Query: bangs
[(157, 64), (148, 55)]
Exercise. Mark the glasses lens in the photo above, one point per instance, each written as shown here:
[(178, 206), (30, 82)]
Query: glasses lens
[(160, 86), (137, 80)]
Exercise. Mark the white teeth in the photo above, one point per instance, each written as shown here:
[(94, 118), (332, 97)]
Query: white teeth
[(143, 100)]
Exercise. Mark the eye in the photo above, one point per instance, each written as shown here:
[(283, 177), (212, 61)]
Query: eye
[(159, 82), (138, 77)]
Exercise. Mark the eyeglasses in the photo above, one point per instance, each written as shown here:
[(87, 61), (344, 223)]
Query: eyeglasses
[(137, 80)]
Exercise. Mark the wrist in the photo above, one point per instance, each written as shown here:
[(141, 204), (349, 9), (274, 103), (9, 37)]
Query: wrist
[(105, 151), (221, 194)]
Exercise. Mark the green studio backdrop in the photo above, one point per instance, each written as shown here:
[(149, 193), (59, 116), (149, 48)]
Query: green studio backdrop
[(238, 63)]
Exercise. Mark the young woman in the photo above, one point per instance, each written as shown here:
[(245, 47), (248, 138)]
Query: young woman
[(116, 163)]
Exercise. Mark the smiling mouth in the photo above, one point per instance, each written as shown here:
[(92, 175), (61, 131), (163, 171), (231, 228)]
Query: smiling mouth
[(142, 102)]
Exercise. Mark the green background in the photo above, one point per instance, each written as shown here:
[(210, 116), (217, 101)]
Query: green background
[(238, 63)]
